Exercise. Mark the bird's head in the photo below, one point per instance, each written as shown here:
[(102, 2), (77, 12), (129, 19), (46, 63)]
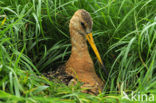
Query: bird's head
[(81, 22)]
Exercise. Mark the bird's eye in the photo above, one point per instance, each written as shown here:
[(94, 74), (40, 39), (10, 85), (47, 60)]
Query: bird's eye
[(83, 25)]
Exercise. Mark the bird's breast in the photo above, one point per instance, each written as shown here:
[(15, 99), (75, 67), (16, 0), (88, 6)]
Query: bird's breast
[(79, 64)]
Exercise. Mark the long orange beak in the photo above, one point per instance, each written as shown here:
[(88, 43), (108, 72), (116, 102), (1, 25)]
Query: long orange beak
[(91, 42)]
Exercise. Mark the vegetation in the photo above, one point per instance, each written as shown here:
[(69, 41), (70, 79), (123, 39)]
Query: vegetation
[(34, 38)]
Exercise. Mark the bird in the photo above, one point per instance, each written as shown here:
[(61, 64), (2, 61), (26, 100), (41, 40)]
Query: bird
[(80, 67), (80, 64)]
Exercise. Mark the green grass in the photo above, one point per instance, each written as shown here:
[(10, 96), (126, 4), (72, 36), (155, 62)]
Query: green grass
[(35, 39)]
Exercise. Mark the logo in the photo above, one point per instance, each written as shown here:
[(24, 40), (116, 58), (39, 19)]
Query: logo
[(138, 96)]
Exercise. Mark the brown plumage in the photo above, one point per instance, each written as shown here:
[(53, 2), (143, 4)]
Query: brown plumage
[(79, 66)]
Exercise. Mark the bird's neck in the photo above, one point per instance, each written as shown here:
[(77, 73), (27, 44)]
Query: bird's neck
[(80, 59), (79, 44)]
